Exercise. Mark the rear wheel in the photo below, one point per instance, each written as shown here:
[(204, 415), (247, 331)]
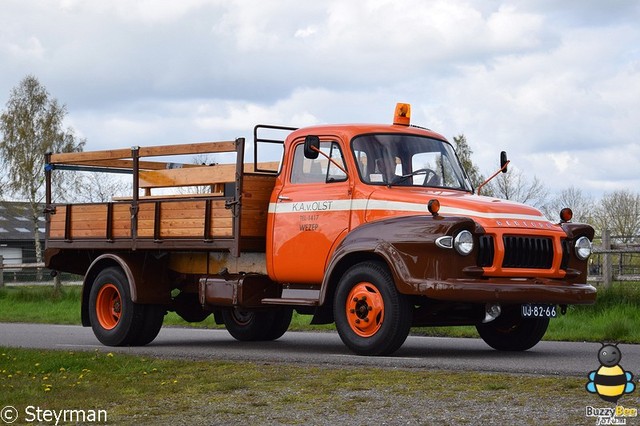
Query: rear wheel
[(372, 318), (250, 326), (115, 319), (511, 332)]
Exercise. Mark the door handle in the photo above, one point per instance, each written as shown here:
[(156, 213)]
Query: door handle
[(283, 198)]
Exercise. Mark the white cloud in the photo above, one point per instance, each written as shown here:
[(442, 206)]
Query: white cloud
[(554, 83)]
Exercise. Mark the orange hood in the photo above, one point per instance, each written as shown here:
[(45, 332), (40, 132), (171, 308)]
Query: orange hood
[(486, 211)]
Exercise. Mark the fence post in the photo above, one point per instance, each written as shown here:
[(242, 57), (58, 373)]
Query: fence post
[(1, 271), (606, 259), (57, 283)]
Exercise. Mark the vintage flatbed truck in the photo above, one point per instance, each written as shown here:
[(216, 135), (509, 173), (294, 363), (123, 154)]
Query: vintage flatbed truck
[(373, 227)]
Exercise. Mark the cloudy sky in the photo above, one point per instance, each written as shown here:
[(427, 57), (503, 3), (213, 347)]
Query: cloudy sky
[(555, 83)]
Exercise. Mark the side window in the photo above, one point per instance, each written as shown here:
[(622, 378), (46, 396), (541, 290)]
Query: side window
[(318, 170), (361, 161)]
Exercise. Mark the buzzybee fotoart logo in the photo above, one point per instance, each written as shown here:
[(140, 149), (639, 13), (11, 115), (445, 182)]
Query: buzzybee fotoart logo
[(610, 382)]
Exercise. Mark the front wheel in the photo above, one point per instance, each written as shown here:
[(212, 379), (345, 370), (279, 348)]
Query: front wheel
[(511, 332), (372, 317)]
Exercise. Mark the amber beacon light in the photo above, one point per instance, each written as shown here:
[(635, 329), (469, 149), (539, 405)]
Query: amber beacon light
[(402, 115)]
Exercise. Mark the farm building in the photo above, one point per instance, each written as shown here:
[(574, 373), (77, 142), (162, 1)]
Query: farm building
[(17, 233)]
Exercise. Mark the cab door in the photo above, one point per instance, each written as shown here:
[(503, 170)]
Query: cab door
[(309, 214)]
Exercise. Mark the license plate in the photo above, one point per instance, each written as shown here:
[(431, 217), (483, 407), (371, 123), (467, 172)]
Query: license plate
[(538, 310)]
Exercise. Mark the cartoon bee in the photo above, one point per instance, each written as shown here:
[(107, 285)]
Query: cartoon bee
[(610, 381)]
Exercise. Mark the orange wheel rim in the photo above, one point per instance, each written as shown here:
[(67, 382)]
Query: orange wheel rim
[(365, 309), (108, 306)]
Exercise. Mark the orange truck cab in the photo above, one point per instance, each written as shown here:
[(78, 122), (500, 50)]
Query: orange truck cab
[(373, 227)]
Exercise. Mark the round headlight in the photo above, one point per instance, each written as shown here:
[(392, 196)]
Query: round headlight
[(583, 248), (463, 242)]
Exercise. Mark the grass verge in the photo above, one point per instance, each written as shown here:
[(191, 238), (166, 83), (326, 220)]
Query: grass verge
[(134, 390), (614, 317)]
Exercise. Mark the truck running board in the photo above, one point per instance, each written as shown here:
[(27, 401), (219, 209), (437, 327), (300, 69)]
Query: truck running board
[(290, 302)]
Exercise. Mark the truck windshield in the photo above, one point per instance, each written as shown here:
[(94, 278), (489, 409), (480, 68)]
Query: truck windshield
[(408, 160)]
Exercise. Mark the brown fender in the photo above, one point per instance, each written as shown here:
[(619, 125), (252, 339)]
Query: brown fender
[(407, 245), (147, 277)]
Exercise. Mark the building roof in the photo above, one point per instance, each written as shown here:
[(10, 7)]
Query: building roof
[(16, 221)]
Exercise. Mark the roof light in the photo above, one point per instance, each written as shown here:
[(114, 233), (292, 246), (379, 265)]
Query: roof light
[(402, 115)]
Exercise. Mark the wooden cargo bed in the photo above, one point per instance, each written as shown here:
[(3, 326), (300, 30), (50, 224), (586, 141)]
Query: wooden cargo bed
[(228, 212)]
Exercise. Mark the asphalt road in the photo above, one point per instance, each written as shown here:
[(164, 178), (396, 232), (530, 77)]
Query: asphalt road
[(326, 348)]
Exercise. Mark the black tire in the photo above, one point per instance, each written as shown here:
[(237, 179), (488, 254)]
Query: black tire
[(115, 319), (152, 323), (372, 317), (188, 307), (281, 319), (511, 332), (251, 326)]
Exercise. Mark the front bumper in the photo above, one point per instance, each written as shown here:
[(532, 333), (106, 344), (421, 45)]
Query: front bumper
[(521, 290)]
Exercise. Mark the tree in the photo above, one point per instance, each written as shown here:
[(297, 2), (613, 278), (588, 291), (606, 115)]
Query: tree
[(464, 154), (619, 212), (582, 205), (32, 126), (94, 187)]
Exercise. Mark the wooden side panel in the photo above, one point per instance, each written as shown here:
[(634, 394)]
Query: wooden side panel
[(56, 226), (121, 220), (90, 221), (171, 218), (87, 221), (183, 219), (256, 193)]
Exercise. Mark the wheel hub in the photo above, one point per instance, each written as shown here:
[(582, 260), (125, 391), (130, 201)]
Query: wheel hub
[(108, 306), (365, 309)]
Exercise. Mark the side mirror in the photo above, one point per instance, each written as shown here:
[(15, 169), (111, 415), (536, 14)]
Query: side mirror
[(503, 168), (311, 147), (503, 162)]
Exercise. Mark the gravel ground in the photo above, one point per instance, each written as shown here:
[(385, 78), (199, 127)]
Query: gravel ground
[(377, 408)]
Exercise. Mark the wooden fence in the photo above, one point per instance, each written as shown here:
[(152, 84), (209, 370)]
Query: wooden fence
[(602, 268), (14, 270)]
